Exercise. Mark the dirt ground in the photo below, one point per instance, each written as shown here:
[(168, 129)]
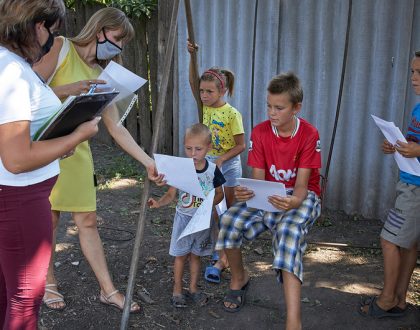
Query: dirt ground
[(334, 279)]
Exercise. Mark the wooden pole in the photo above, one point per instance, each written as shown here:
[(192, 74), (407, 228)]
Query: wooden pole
[(157, 124), (194, 63)]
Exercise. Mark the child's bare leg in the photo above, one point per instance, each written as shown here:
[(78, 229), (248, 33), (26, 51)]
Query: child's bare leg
[(178, 272), (239, 275), (407, 265), (392, 262), (194, 272), (292, 288)]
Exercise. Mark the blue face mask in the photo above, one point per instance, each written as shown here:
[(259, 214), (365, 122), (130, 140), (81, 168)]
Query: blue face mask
[(106, 50)]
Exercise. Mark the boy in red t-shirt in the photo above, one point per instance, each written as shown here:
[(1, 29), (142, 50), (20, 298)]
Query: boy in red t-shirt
[(284, 149)]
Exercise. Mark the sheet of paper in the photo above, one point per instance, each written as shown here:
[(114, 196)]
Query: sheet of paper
[(392, 133), (262, 190), (121, 76), (202, 217), (179, 172)]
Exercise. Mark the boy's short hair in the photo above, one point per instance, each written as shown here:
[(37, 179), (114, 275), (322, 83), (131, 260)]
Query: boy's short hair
[(417, 53), (289, 83), (199, 129)]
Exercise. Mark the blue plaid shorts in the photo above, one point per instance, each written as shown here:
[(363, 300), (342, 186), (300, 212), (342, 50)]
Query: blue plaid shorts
[(288, 228)]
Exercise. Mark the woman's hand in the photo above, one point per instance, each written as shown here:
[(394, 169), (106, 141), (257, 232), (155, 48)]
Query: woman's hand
[(83, 86), (87, 129), (154, 176), (242, 194), (387, 147)]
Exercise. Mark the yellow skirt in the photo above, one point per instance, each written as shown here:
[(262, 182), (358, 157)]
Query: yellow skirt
[(75, 189)]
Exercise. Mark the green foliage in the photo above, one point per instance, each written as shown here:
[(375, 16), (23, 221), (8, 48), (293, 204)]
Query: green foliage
[(133, 8)]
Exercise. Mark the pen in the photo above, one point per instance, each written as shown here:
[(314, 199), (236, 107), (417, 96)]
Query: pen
[(92, 88)]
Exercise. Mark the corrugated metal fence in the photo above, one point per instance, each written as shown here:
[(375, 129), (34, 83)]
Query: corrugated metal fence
[(260, 38)]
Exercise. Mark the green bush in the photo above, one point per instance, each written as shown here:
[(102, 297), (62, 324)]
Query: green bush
[(133, 8)]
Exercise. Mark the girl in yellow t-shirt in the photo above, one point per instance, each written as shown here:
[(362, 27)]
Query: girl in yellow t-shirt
[(228, 138)]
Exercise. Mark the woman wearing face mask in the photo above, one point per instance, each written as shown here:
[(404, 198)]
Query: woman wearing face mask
[(28, 169), (101, 40)]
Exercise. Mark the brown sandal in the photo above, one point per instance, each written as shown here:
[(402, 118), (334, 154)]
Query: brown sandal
[(107, 301)]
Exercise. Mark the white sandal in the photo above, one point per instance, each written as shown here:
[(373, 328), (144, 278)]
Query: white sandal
[(48, 302), (106, 300)]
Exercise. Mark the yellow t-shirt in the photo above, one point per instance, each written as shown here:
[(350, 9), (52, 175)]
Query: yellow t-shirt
[(74, 190), (224, 122)]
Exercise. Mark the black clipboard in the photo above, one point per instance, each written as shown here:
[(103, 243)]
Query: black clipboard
[(74, 111)]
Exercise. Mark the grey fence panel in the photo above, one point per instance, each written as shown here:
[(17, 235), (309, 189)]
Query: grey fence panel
[(224, 32), (308, 37)]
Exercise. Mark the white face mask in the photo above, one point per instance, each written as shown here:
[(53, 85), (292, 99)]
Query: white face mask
[(106, 50)]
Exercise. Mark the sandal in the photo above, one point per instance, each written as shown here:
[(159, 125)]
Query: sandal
[(179, 300), (59, 298), (232, 297), (106, 300), (377, 312), (199, 298)]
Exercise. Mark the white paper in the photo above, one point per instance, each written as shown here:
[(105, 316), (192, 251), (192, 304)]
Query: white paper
[(201, 218), (262, 190), (121, 76), (179, 173), (392, 133)]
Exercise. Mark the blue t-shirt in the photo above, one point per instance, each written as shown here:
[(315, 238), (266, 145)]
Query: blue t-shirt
[(413, 135)]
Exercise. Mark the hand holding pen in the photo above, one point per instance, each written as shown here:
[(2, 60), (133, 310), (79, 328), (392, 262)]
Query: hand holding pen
[(85, 86)]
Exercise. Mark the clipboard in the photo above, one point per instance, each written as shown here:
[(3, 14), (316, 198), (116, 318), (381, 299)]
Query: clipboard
[(74, 111)]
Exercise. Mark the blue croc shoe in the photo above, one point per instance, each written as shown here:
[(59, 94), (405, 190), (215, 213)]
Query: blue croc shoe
[(212, 274)]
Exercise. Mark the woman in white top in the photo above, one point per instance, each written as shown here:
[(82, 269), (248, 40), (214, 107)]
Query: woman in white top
[(28, 169)]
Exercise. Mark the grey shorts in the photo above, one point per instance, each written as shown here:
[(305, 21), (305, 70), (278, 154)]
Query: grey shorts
[(199, 243), (231, 169), (402, 226)]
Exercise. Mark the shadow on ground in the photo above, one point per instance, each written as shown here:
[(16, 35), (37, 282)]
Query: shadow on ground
[(334, 279)]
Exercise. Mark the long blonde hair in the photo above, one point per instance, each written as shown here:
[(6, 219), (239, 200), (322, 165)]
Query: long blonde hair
[(17, 24), (105, 19)]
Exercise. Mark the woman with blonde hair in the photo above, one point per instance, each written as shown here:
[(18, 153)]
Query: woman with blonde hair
[(28, 169), (101, 40)]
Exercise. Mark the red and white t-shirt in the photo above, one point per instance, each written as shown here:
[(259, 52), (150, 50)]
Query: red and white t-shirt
[(282, 157)]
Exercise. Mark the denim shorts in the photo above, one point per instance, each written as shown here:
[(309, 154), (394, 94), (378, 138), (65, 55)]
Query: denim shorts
[(231, 169)]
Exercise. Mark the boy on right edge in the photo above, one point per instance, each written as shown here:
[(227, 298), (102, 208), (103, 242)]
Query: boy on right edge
[(400, 235), (284, 149)]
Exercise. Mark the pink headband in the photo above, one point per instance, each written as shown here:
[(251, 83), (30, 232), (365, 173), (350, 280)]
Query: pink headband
[(215, 74)]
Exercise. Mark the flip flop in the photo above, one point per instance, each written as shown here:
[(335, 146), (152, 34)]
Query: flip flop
[(232, 297), (377, 312), (212, 274)]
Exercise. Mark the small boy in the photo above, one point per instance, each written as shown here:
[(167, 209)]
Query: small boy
[(197, 143), (400, 235), (284, 149)]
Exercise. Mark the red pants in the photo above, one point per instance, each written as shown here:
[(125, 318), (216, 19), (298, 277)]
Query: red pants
[(25, 250)]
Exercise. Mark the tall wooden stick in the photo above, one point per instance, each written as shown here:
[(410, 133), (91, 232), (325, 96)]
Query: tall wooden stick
[(156, 129), (194, 63)]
